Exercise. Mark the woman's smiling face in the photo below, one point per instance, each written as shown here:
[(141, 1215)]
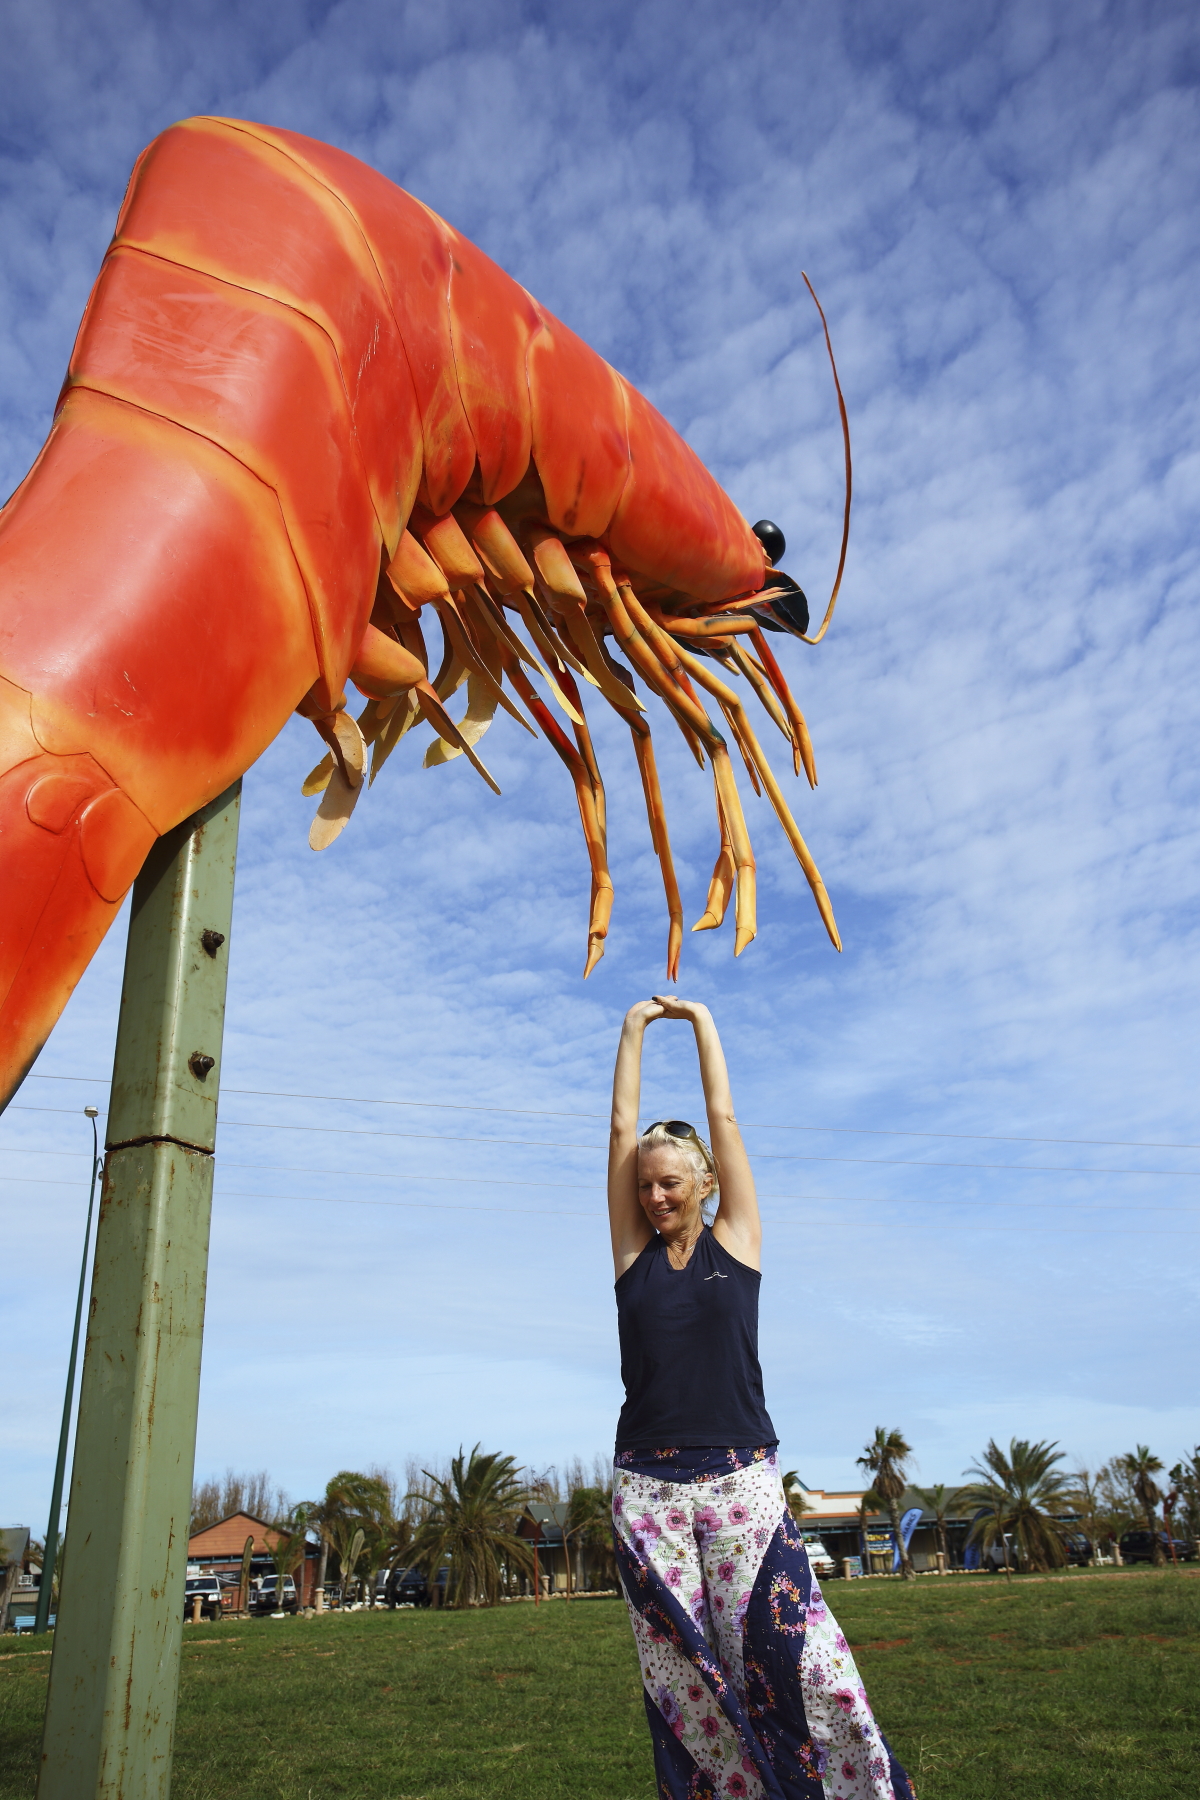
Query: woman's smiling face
[(669, 1188)]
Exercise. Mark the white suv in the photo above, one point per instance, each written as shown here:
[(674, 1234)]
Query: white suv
[(820, 1561), (205, 1588), (263, 1599)]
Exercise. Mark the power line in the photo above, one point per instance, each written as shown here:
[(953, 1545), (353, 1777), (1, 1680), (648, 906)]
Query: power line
[(980, 1137), (448, 1137), (597, 1216), (576, 1187), (594, 1187)]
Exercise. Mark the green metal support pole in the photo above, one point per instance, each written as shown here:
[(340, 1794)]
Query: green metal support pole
[(114, 1677), (50, 1553)]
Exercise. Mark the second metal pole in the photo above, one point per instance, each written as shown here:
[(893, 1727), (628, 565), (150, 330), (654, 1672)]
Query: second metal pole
[(50, 1553), (114, 1678)]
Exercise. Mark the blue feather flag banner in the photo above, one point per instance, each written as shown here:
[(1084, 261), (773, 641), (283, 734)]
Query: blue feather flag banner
[(908, 1525)]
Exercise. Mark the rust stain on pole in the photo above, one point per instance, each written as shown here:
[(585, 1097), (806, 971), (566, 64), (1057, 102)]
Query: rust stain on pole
[(114, 1677)]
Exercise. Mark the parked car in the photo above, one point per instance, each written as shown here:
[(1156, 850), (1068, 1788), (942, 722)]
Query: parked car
[(1137, 1546), (1078, 1549), (205, 1588), (819, 1559), (407, 1587), (263, 1599)]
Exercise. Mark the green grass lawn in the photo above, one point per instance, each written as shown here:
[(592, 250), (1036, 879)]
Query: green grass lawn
[(1029, 1690)]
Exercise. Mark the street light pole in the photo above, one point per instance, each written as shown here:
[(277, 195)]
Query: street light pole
[(42, 1616)]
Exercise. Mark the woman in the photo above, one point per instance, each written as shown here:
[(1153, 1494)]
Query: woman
[(750, 1687)]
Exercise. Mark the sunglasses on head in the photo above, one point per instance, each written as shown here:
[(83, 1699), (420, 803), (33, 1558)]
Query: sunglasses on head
[(678, 1128)]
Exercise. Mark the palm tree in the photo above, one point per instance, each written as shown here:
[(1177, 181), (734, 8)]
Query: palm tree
[(1022, 1493), (394, 1549), (1185, 1479), (288, 1550), (589, 1523), (354, 1504), (939, 1500), (1121, 1507), (1141, 1467), (386, 1537), (794, 1491), (885, 1459), (1087, 1501), (469, 1527), (871, 1502)]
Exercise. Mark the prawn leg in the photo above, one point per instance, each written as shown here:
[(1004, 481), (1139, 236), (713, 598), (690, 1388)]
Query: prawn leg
[(755, 675), (721, 885), (589, 815), (643, 745), (655, 812), (492, 616), (470, 656), (629, 620), (730, 702), (803, 750)]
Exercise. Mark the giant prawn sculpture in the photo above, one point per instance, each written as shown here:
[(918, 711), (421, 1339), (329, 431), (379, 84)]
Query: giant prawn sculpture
[(302, 410)]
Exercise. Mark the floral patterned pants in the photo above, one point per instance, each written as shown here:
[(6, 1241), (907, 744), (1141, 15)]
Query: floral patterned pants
[(750, 1688)]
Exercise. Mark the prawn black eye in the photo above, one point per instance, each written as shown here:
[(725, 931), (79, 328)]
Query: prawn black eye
[(771, 538), (792, 606), (786, 610)]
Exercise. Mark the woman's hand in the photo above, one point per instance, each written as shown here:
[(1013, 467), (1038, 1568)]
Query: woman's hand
[(643, 1011), (670, 1007)]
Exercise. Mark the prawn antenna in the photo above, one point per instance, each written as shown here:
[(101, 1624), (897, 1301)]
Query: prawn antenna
[(849, 468)]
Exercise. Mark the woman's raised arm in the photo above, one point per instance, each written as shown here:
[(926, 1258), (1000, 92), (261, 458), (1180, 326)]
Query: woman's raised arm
[(628, 1223), (737, 1225)]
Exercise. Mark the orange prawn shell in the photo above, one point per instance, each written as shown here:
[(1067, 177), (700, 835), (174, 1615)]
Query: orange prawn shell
[(492, 376), (282, 353)]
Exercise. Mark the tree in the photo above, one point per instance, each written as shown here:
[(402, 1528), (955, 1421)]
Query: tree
[(1185, 1479), (469, 1527), (885, 1458), (320, 1521), (794, 1491), (256, 1495), (589, 1525), (1020, 1492), (387, 1534), (543, 1485), (1086, 1498), (1140, 1467), (1114, 1488), (288, 1550), (939, 1500), (354, 1505), (390, 1548), (349, 1538), (869, 1503)]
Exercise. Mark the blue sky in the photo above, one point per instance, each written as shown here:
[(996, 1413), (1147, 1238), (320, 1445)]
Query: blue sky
[(976, 1130)]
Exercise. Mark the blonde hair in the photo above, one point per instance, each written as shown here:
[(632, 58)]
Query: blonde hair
[(698, 1155)]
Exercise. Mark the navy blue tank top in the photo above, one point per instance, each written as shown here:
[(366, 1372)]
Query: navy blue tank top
[(689, 1350)]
